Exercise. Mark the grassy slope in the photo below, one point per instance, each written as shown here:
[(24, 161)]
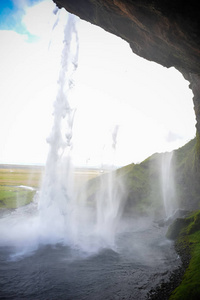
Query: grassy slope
[(188, 176), (140, 184), (187, 232), (143, 186), (14, 197), (11, 195)]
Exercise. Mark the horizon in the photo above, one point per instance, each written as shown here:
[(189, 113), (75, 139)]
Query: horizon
[(90, 167)]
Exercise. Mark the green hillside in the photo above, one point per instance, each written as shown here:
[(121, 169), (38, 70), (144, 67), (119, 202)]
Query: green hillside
[(140, 184)]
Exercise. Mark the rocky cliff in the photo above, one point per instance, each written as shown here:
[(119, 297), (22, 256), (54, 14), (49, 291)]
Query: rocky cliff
[(167, 32)]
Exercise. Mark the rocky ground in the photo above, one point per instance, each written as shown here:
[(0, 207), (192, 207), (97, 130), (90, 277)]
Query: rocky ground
[(164, 289)]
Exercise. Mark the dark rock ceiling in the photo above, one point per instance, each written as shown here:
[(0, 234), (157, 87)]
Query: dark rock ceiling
[(167, 32)]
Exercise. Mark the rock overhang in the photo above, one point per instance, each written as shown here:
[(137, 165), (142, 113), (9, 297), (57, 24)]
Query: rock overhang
[(166, 32)]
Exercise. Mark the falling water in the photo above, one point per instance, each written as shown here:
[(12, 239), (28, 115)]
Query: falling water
[(109, 202), (65, 214), (56, 199), (168, 183)]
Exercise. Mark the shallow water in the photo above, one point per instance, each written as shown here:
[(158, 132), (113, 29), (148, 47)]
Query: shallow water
[(140, 258)]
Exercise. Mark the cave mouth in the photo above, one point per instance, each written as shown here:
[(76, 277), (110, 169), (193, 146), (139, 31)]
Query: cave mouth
[(38, 239), (150, 104)]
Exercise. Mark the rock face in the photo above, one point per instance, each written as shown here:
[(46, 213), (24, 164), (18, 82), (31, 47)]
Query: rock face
[(167, 32)]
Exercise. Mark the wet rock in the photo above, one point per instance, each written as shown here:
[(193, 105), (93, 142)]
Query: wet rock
[(179, 213), (164, 289), (175, 228)]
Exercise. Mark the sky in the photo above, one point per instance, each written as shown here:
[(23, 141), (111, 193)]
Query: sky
[(151, 106)]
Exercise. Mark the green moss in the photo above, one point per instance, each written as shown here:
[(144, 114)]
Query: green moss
[(194, 224), (189, 288), (189, 236)]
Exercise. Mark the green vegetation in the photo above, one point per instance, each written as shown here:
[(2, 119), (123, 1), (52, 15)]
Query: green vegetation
[(13, 182), (187, 232), (13, 197), (143, 187), (13, 175), (187, 176), (139, 185)]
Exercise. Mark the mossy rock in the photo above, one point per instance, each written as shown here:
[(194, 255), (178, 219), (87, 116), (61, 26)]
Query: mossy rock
[(187, 225), (189, 240), (176, 227), (195, 225)]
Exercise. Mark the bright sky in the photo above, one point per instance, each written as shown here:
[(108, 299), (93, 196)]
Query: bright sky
[(151, 105)]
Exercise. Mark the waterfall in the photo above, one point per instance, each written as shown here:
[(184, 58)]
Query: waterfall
[(66, 215), (109, 202), (168, 183), (56, 199)]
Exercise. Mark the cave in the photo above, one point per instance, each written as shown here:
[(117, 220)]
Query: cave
[(165, 32), (58, 248)]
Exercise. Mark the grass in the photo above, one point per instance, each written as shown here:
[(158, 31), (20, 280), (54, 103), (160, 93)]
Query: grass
[(142, 181), (189, 288), (21, 176), (13, 197), (189, 236), (11, 178), (187, 174)]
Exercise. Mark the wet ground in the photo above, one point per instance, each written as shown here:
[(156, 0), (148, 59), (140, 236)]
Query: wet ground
[(140, 259)]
